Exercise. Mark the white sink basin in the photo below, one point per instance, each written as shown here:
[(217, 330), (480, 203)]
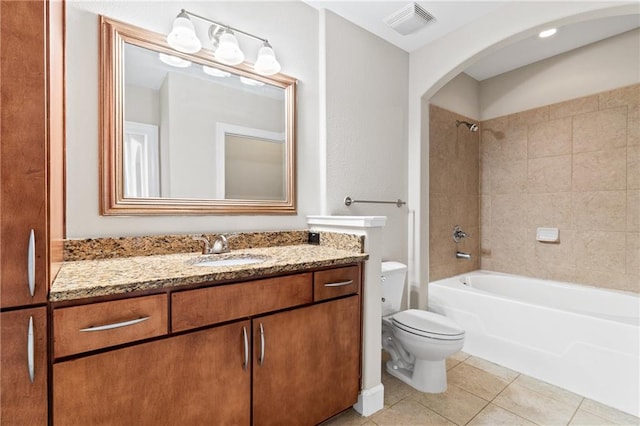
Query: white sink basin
[(230, 261)]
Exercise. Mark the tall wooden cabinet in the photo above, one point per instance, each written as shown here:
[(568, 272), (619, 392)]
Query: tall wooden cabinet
[(31, 197)]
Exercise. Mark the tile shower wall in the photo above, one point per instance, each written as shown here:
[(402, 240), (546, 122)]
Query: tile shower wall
[(453, 193), (574, 165)]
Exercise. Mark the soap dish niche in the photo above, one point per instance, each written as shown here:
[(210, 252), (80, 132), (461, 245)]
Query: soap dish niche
[(548, 235)]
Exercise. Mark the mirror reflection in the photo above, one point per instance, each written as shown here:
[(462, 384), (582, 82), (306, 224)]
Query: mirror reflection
[(184, 134), (181, 133)]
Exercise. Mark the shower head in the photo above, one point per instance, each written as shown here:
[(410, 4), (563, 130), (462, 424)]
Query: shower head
[(473, 127)]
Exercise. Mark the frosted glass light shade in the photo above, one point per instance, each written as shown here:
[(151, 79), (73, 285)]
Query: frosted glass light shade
[(228, 51), (266, 64), (215, 72), (183, 35), (174, 61)]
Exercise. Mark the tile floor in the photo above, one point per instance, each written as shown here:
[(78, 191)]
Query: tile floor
[(482, 393)]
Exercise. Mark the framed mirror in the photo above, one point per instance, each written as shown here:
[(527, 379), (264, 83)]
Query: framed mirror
[(184, 134)]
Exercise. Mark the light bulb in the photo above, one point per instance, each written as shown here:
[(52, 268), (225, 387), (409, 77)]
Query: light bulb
[(266, 64)]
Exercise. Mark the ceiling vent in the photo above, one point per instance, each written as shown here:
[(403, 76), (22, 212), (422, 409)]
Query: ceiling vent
[(409, 19)]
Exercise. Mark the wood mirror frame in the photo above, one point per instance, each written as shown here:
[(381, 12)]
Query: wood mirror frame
[(113, 35)]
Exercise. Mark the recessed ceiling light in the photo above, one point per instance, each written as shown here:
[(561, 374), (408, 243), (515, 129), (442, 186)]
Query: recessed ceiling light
[(547, 33)]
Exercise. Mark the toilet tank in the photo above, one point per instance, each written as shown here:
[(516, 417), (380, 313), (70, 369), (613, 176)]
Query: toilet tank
[(392, 280)]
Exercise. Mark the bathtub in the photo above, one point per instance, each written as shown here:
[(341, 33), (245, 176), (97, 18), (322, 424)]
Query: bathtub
[(583, 339)]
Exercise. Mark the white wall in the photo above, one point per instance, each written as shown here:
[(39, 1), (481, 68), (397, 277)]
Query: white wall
[(461, 95), (366, 121), (292, 29), (597, 67), (432, 66)]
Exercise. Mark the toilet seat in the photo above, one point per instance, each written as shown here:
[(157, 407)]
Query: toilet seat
[(427, 324)]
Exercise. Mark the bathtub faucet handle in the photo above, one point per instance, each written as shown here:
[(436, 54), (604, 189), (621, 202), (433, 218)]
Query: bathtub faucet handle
[(459, 234)]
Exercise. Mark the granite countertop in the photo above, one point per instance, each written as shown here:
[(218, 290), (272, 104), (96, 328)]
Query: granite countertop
[(90, 278)]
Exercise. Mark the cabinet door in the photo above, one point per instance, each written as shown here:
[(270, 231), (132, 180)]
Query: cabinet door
[(198, 378), (306, 363), (31, 99), (23, 399)]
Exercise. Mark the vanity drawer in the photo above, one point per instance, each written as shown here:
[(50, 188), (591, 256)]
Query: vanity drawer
[(88, 327), (201, 307), (336, 282)]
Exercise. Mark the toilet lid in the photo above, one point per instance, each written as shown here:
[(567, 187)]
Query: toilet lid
[(428, 324)]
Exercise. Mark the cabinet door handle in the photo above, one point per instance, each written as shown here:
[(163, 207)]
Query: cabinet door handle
[(340, 284), (31, 351), (245, 362), (115, 325), (261, 357), (31, 263)]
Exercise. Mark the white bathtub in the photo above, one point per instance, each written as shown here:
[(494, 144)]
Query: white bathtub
[(580, 338)]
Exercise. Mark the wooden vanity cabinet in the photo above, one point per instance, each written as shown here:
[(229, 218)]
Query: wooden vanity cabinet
[(191, 379), (255, 352), (306, 363), (31, 197)]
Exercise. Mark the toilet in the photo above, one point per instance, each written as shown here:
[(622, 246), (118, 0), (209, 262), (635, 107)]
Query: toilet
[(418, 342)]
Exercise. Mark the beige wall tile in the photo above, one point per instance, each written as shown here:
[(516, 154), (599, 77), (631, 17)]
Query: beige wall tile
[(600, 211), (550, 174), (628, 95), (605, 129), (633, 210), (553, 261), (599, 251), (550, 138), (573, 107), (633, 125), (529, 117), (513, 146), (508, 250), (633, 254), (508, 211), (509, 177), (485, 210), (600, 170), (549, 210), (633, 167)]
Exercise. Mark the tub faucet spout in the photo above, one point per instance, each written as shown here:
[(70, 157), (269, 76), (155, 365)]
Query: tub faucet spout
[(463, 255)]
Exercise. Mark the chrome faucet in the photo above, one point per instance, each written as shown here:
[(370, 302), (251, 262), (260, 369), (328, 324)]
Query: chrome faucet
[(463, 255), (220, 244)]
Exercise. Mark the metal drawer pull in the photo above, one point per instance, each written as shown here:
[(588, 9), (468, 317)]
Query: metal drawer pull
[(30, 351), (31, 263), (245, 362), (340, 284), (261, 358), (115, 325)]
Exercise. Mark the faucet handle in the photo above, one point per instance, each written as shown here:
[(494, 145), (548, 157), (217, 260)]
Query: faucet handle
[(207, 246), (459, 234), (220, 245)]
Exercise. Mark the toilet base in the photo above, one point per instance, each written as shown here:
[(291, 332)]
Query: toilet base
[(426, 376)]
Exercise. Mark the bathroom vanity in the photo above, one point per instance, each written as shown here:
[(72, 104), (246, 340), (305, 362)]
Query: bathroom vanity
[(278, 342)]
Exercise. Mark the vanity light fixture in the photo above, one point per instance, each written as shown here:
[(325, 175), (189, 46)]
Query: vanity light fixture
[(547, 33), (224, 43)]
